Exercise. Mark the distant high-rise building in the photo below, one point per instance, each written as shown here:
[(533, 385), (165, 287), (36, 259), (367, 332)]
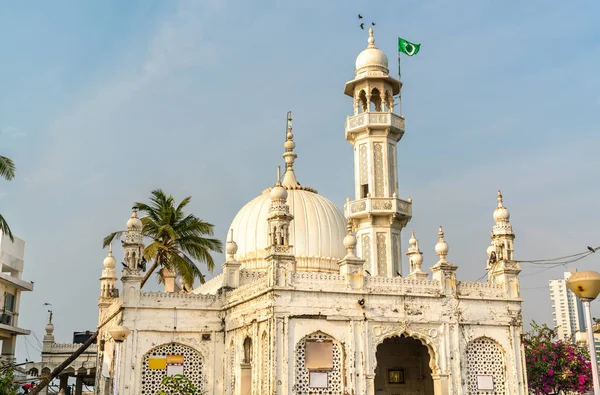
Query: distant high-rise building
[(568, 309)]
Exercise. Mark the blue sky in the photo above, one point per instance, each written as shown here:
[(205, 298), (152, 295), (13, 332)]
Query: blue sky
[(101, 102)]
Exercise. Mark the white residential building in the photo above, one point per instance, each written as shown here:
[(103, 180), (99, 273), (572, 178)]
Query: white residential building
[(11, 261), (568, 310)]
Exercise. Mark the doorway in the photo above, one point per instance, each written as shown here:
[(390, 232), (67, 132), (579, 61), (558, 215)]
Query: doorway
[(403, 367)]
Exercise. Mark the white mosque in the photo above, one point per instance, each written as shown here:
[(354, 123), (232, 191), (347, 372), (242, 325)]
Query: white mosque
[(315, 301)]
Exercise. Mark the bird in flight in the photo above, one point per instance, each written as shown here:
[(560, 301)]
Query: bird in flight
[(591, 249), (372, 23), (47, 304), (359, 16), (362, 26)]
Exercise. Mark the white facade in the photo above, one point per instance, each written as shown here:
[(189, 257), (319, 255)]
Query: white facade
[(568, 309), (12, 255), (282, 319)]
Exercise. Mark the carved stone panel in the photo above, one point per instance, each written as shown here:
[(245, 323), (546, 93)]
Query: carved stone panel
[(381, 254), (379, 176)]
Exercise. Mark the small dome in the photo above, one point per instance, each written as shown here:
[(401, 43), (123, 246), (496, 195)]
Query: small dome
[(490, 249), (501, 214), (372, 58), (109, 261), (278, 193), (49, 328), (134, 223)]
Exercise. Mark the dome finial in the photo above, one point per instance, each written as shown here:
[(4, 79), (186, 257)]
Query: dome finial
[(441, 248), (371, 38), (500, 199), (231, 247), (289, 178), (349, 240), (278, 183)]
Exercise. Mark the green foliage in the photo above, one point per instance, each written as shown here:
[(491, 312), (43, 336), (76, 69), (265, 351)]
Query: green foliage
[(177, 385), (555, 367), (7, 385), (177, 239), (7, 171)]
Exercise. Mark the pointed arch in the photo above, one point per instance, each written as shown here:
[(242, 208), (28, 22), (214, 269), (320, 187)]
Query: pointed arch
[(362, 99), (376, 99), (399, 331), (193, 366)]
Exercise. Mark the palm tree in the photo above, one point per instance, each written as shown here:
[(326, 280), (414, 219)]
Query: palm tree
[(7, 171), (176, 239)]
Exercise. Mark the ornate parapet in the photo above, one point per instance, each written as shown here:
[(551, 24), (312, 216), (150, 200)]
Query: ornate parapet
[(250, 276), (319, 281), (374, 119), (402, 286), (248, 290), (478, 289), (376, 205), (173, 299)]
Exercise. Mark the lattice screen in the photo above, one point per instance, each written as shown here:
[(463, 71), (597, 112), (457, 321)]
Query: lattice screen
[(302, 375), (484, 357), (192, 367)]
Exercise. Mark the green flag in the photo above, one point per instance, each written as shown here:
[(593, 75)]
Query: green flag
[(408, 48)]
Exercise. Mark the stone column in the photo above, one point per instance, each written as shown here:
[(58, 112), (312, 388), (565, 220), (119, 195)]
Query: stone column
[(370, 379)]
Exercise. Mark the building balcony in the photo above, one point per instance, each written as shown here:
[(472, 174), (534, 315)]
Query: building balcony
[(374, 120), (378, 205), (7, 328), (16, 282)]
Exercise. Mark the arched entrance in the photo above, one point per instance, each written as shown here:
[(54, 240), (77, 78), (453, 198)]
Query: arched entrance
[(403, 367)]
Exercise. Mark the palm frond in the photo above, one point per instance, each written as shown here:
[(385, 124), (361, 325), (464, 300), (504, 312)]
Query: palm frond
[(110, 238), (7, 168), (6, 229)]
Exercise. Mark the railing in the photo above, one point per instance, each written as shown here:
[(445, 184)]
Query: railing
[(382, 205), (374, 119)]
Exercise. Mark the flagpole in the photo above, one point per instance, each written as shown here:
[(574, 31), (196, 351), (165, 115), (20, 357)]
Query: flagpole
[(400, 91)]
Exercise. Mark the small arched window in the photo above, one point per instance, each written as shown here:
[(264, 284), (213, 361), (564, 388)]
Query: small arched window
[(247, 350)]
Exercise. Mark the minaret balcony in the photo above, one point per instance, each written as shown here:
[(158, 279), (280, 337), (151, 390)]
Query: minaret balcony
[(375, 120), (378, 206)]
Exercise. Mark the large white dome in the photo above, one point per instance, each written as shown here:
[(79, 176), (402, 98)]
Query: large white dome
[(317, 231)]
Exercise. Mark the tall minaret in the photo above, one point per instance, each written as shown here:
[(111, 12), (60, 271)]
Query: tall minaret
[(376, 213), (107, 281), (501, 266)]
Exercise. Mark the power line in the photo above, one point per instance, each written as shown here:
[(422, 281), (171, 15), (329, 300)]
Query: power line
[(553, 260)]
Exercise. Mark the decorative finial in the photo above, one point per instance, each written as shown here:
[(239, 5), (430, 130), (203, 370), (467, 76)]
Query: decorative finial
[(231, 247), (289, 178), (441, 248), (278, 183), (500, 203), (371, 38), (349, 240), (110, 250)]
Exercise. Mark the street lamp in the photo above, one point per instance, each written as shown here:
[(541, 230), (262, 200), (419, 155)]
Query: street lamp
[(119, 334), (586, 285)]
